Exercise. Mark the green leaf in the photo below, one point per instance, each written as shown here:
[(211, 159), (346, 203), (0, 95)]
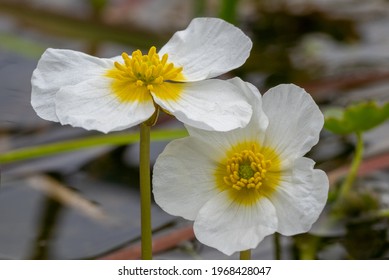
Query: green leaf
[(356, 118), (85, 143)]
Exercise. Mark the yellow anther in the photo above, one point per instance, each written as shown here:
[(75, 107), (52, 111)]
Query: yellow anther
[(164, 59), (152, 51), (119, 66), (143, 69), (159, 80), (169, 67)]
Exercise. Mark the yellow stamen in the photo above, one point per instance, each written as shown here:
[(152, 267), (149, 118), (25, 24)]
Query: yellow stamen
[(139, 74), (248, 172), (246, 167)]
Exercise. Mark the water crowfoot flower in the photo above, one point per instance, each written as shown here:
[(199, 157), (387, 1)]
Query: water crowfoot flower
[(242, 185), (113, 94)]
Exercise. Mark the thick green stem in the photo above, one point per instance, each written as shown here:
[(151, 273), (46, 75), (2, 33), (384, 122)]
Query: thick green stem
[(347, 184), (145, 191), (245, 255)]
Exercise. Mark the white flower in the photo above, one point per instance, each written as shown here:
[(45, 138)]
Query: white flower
[(242, 185), (113, 94)]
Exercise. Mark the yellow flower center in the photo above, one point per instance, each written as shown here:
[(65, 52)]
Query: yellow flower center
[(248, 172), (139, 74)]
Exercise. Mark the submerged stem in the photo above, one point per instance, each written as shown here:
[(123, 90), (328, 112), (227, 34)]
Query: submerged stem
[(245, 255), (145, 191)]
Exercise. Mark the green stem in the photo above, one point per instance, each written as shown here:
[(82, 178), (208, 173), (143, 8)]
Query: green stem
[(199, 7), (347, 184), (145, 191), (228, 10), (245, 255), (277, 246)]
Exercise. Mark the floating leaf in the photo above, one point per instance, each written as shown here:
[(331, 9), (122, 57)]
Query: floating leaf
[(356, 118)]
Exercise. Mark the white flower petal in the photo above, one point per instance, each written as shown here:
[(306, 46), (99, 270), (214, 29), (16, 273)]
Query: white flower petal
[(92, 105), (256, 128), (295, 121), (300, 197), (58, 68), (254, 131), (182, 177), (207, 48), (210, 104), (230, 227)]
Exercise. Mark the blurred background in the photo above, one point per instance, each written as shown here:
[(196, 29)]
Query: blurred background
[(84, 204)]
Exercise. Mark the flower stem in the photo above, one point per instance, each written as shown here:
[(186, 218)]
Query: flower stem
[(245, 255), (347, 184), (277, 246), (145, 191)]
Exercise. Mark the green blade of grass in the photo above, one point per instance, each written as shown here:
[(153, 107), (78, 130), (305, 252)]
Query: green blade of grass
[(85, 143)]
